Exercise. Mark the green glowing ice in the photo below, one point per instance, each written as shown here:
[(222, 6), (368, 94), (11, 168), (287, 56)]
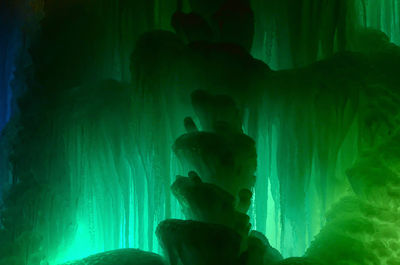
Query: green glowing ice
[(91, 147)]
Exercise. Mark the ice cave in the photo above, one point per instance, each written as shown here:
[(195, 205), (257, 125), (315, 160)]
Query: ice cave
[(199, 132)]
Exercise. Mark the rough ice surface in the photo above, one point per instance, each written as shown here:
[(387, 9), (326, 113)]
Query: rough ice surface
[(125, 256), (229, 162), (209, 203), (97, 106), (198, 243), (259, 251)]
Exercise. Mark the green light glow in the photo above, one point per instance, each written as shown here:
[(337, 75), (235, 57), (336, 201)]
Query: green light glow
[(79, 248), (90, 148)]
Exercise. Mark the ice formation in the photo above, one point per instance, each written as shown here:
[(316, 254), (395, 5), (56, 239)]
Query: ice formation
[(302, 94)]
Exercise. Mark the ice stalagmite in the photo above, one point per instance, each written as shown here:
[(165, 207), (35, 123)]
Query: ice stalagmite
[(215, 201)]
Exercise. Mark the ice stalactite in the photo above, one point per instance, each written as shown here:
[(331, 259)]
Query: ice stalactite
[(105, 205), (313, 30), (71, 162), (383, 16), (316, 29)]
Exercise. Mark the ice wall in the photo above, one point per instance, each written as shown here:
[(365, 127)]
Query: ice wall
[(312, 30), (93, 158), (78, 45), (296, 33), (12, 53)]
